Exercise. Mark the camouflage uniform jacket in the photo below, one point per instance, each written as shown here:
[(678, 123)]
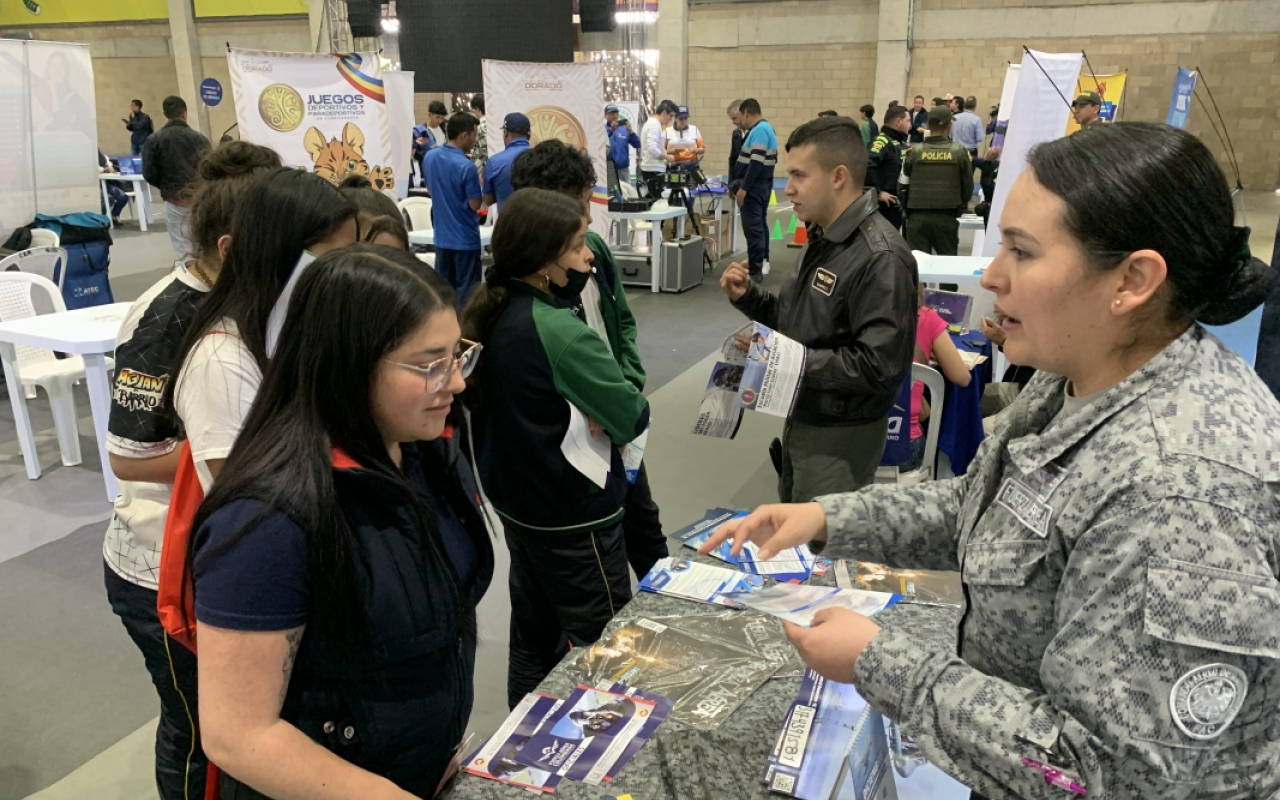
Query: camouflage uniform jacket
[(1120, 565)]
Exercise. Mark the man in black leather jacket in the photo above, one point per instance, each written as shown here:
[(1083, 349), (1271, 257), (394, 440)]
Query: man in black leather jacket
[(851, 303)]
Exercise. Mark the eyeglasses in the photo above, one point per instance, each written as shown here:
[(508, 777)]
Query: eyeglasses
[(437, 373)]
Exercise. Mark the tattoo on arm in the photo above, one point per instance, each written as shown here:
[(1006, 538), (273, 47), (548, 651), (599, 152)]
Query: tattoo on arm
[(293, 638)]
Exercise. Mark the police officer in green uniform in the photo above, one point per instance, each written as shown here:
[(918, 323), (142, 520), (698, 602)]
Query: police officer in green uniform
[(935, 187), (884, 166), (1087, 110)]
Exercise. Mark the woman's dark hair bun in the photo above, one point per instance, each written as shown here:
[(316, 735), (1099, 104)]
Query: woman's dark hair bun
[(355, 181), (233, 159), (1247, 289)]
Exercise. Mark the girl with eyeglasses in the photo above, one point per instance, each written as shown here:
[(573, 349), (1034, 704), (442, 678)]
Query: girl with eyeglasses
[(340, 556), (569, 572)]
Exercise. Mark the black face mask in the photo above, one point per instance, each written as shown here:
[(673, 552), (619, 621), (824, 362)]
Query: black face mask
[(575, 282)]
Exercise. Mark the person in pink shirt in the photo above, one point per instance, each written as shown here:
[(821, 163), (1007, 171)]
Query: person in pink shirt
[(932, 343)]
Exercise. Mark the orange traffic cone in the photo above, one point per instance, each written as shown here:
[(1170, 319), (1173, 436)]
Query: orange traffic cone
[(802, 236)]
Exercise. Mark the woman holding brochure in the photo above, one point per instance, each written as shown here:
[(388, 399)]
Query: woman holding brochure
[(1116, 536), (548, 381)]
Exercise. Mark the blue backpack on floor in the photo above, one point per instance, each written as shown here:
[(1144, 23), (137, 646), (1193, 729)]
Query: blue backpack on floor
[(87, 239)]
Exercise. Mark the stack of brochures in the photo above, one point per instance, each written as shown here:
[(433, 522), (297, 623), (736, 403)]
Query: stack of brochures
[(792, 564), (588, 737), (833, 746)]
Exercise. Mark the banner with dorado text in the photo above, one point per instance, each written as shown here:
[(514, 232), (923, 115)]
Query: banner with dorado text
[(562, 101), (1109, 87), (324, 112)]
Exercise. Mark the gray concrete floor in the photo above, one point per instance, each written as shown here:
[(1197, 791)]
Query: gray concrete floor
[(77, 709)]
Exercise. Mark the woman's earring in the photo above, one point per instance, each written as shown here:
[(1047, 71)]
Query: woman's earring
[(1118, 302), (546, 281)]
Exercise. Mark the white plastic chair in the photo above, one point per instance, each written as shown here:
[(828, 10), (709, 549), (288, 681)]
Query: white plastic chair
[(418, 209), (43, 237), (41, 368), (47, 262), (937, 387)]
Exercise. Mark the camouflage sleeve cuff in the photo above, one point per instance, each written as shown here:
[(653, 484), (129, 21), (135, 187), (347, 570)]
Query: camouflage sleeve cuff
[(845, 514), (894, 670)]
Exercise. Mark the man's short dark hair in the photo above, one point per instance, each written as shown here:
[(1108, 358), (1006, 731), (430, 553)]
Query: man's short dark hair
[(750, 106), (436, 107), (836, 141), (555, 166), (477, 102), (667, 107), (137, 103), (459, 124), (828, 113), (869, 110), (920, 97), (895, 113), (174, 107), (938, 101), (970, 103)]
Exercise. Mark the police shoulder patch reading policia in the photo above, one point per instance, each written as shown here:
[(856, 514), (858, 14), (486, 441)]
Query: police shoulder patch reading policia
[(824, 280), (1205, 700)]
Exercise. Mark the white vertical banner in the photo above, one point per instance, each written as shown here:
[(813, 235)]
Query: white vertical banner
[(562, 101), (1039, 114), (17, 167), (399, 87), (1006, 104), (325, 112), (64, 127)]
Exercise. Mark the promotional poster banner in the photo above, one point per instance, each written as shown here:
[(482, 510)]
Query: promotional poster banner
[(1039, 114), (1111, 89), (325, 112), (1184, 88), (399, 86), (562, 101)]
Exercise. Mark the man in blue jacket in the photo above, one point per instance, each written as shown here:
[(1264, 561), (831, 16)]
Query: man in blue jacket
[(756, 164), (621, 139)]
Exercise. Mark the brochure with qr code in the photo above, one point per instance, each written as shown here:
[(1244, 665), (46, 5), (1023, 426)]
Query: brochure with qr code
[(496, 758), (585, 739), (792, 564), (703, 583)]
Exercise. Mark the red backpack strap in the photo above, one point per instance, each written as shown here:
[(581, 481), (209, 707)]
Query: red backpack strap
[(175, 600)]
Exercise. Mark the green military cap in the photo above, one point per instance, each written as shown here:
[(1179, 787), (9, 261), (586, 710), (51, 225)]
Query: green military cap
[(940, 115), (1088, 99)]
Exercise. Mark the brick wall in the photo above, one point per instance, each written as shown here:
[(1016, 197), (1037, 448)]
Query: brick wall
[(938, 5), (792, 84), (1242, 69)]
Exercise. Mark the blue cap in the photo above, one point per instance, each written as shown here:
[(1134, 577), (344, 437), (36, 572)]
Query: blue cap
[(515, 122), (682, 112)]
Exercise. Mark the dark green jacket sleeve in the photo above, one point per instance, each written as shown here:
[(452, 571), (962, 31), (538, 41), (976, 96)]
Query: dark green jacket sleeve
[(966, 179), (625, 348), (586, 374)]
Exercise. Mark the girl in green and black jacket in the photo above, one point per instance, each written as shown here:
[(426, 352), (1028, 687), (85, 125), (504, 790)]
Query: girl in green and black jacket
[(569, 572)]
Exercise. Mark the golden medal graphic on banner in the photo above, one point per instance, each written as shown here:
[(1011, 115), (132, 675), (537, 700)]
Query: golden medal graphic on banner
[(553, 122), (281, 107)]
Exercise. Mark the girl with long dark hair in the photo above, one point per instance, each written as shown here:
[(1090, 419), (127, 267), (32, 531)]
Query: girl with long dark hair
[(143, 443), (339, 558), (1117, 534), (287, 213), (569, 572)]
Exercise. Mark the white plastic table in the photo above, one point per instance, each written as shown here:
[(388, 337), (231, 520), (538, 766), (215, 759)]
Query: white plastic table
[(659, 212), (953, 269), (86, 332), (428, 236), (141, 190)]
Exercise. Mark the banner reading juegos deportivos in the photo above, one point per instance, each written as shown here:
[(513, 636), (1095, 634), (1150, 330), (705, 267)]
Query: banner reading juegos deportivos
[(325, 112), (562, 101)]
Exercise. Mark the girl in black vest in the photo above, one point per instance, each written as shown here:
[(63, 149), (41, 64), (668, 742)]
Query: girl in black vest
[(339, 558)]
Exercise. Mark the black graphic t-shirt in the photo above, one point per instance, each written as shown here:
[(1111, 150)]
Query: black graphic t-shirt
[(138, 426)]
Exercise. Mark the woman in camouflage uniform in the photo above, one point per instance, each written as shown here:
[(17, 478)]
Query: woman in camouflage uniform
[(1117, 536)]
